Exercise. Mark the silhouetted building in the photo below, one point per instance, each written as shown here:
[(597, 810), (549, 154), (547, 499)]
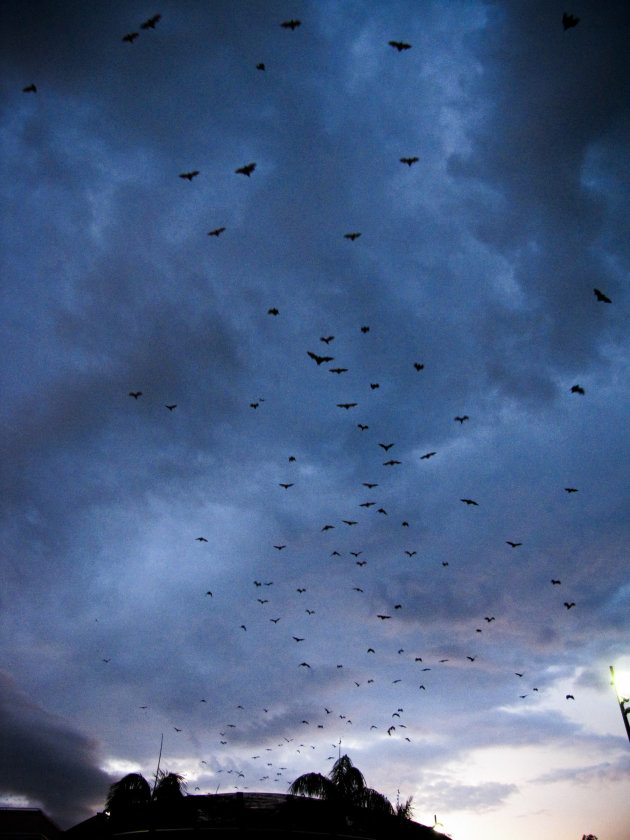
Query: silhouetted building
[(249, 816), (27, 824)]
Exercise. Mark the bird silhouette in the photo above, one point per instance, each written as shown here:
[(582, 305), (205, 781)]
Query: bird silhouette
[(150, 22), (319, 359), (601, 296), (569, 20)]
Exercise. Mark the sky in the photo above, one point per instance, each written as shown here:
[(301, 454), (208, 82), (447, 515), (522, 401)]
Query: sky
[(287, 546)]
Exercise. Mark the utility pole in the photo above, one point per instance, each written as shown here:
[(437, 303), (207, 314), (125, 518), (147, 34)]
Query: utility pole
[(624, 703)]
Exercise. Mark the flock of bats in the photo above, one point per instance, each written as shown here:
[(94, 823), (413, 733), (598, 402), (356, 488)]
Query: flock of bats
[(310, 609)]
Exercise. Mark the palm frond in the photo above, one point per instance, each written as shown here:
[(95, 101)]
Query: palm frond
[(312, 784)]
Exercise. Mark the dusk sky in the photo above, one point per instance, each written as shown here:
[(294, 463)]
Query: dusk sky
[(357, 504)]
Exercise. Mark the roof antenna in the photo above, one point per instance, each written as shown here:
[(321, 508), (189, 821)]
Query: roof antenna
[(157, 769)]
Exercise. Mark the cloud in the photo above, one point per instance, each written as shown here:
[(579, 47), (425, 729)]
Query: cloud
[(45, 760)]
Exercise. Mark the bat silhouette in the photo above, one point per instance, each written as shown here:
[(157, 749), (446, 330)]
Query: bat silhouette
[(369, 486), (418, 366), (29, 89), (130, 37), (577, 389), (260, 66), (569, 21), (351, 236), (386, 446), (150, 22), (489, 618), (365, 329), (286, 486), (400, 45), (410, 553), (428, 455), (189, 175), (362, 427), (319, 359), (374, 385), (571, 489), (272, 311), (409, 160), (383, 617), (327, 339), (279, 547), (210, 594), (568, 604), (291, 24), (391, 463), (246, 170), (346, 405), (570, 697), (135, 394), (601, 296), (513, 544), (462, 418), (469, 501), (216, 231), (349, 522), (555, 582), (338, 370)]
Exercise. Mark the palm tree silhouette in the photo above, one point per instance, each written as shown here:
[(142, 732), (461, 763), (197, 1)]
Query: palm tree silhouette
[(344, 787), (130, 800)]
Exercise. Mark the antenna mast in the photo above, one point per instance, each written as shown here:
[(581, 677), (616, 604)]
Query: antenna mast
[(624, 703), (157, 769)]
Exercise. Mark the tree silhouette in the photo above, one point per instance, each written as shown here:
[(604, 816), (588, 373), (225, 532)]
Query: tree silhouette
[(344, 787), (130, 801)]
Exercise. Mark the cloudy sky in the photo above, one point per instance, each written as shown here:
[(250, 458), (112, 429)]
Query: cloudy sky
[(367, 593)]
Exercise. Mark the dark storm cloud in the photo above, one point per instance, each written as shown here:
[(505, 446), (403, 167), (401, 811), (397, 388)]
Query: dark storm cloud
[(47, 760)]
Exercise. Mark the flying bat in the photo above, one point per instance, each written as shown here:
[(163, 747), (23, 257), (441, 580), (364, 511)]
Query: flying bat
[(489, 618), (428, 455), (365, 329), (201, 539), (272, 311), (571, 489), (391, 463), (409, 160), (568, 604), (577, 389), (135, 394), (410, 553), (361, 562), (171, 407), (246, 170), (570, 697), (418, 366), (279, 547), (298, 639), (469, 501), (362, 427), (383, 617), (386, 446), (374, 385), (513, 544), (291, 24), (338, 370), (260, 66), (130, 37), (601, 296), (319, 359), (29, 89), (370, 486), (304, 665), (286, 486), (150, 22), (216, 231), (462, 418), (327, 339), (555, 582), (569, 21), (351, 236), (400, 45), (189, 175), (346, 405), (349, 522)]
